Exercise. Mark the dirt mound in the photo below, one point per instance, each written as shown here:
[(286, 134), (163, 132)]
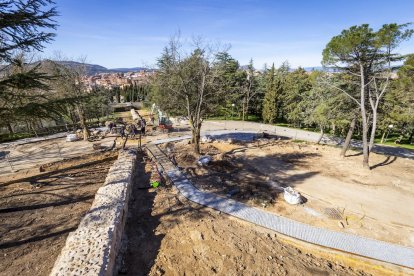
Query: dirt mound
[(184, 152), (186, 158), (210, 150), (223, 166)]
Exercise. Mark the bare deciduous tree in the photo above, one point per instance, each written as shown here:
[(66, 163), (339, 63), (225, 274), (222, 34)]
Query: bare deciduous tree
[(70, 85), (249, 90), (189, 83)]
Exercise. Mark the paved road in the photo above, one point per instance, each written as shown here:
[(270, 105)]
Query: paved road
[(300, 135)]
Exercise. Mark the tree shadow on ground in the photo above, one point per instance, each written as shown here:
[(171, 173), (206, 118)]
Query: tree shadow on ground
[(145, 215), (46, 205), (258, 179), (37, 217), (388, 160), (354, 154), (142, 241), (37, 238), (3, 154)]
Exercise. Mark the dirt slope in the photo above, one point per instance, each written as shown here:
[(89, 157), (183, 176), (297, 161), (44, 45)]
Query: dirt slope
[(167, 235)]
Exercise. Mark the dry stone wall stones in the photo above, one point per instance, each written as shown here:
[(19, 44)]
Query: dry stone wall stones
[(93, 247)]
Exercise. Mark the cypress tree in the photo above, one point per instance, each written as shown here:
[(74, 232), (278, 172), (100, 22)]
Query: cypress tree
[(269, 112)]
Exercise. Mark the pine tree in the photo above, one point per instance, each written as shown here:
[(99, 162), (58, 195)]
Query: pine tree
[(24, 26), (368, 57), (296, 86)]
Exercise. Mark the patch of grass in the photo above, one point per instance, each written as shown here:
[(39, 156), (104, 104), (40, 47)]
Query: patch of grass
[(293, 127), (12, 137), (298, 141), (391, 142)]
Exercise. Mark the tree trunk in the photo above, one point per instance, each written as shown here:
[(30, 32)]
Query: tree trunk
[(125, 141), (27, 127), (320, 136), (383, 136), (365, 149), (244, 109), (72, 116), (365, 146), (196, 137), (411, 136), (373, 129), (348, 138), (197, 143), (33, 128), (10, 128), (247, 111), (82, 120), (118, 96)]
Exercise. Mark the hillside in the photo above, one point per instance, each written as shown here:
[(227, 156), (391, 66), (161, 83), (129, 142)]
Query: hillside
[(92, 69)]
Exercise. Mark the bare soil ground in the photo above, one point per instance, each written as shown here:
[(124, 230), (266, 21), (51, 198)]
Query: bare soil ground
[(167, 235), (36, 216), (340, 194)]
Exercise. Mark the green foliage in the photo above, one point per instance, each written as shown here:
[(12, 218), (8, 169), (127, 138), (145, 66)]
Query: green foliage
[(273, 88), (399, 103), (25, 95), (230, 82), (24, 25), (362, 46), (366, 56), (326, 106), (297, 85), (176, 88), (97, 103), (135, 92)]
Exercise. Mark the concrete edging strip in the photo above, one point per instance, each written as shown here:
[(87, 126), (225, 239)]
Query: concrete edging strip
[(92, 248), (366, 247)]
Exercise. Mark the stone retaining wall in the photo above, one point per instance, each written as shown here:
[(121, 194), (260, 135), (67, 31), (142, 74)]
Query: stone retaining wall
[(93, 247)]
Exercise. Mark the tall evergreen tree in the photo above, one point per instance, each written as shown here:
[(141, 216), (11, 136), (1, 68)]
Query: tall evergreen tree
[(296, 86), (24, 27), (399, 103), (273, 85), (249, 89)]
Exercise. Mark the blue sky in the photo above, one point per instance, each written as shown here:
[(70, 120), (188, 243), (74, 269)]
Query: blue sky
[(127, 33)]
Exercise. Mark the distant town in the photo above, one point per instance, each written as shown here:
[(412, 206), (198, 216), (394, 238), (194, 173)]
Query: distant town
[(119, 79)]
